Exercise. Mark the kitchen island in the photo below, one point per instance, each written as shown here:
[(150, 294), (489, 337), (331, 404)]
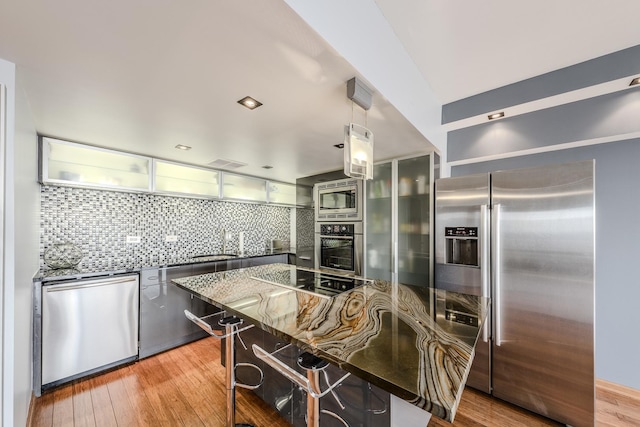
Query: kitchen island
[(395, 336)]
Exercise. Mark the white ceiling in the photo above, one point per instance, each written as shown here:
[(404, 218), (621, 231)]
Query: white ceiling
[(145, 75), (463, 48)]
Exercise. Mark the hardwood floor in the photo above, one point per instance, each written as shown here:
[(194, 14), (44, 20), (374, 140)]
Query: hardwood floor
[(181, 387), (185, 387), (616, 405)]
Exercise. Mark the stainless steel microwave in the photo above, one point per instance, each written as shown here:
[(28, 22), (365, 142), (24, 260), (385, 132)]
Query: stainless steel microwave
[(339, 200)]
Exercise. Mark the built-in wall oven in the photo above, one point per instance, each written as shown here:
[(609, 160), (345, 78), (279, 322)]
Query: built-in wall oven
[(339, 200), (339, 246)]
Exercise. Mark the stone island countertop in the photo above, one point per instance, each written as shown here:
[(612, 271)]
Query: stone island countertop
[(393, 335)]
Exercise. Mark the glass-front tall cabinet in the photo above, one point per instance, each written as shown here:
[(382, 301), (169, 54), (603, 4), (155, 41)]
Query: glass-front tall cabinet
[(399, 220)]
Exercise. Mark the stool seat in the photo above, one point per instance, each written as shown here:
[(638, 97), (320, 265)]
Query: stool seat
[(230, 320), (309, 361), (310, 382)]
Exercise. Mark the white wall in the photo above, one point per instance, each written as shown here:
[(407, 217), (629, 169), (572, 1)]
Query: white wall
[(7, 78), (20, 249), (26, 247)]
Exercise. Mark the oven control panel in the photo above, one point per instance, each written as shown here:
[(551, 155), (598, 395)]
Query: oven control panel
[(337, 229)]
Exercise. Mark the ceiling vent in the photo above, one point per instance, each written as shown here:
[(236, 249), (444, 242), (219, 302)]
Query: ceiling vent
[(226, 164)]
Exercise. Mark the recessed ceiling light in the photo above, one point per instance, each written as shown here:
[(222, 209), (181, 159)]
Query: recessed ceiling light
[(250, 102), (341, 145), (267, 167), (635, 81), (183, 147), (496, 115)]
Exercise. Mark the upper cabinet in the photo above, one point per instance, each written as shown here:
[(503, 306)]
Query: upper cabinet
[(175, 178), (304, 196), (399, 220), (281, 193), (80, 165), (246, 188)]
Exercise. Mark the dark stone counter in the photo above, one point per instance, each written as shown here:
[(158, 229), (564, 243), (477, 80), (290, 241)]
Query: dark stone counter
[(49, 275), (392, 335)]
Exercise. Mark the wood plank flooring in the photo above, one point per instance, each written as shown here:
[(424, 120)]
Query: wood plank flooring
[(185, 387), (181, 387)]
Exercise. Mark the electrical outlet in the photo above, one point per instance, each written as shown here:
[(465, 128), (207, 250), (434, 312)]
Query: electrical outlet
[(170, 238), (133, 239)]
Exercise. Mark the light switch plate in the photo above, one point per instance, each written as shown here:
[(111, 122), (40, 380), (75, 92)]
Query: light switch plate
[(170, 238), (133, 239)]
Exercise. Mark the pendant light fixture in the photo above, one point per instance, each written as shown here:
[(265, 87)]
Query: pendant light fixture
[(358, 140)]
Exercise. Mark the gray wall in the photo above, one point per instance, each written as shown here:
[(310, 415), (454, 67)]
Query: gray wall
[(614, 66), (605, 128), (600, 117)]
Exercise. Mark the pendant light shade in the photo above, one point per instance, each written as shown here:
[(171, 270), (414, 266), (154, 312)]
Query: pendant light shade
[(358, 152)]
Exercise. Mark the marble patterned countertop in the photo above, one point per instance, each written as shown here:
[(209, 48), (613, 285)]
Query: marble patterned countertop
[(392, 335)]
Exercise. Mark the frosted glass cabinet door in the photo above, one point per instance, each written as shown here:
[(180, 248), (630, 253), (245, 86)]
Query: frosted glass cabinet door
[(176, 178), (379, 222), (66, 162), (244, 188), (413, 220), (282, 193)]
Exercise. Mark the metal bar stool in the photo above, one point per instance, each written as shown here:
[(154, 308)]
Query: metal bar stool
[(232, 328), (313, 365)]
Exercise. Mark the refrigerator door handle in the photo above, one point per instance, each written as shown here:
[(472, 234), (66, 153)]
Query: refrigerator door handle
[(496, 262), (484, 262), (394, 261)]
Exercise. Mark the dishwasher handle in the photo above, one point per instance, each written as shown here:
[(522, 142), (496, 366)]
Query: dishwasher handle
[(87, 284)]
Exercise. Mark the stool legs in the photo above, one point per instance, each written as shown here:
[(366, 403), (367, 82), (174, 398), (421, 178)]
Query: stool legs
[(312, 365), (313, 403), (231, 329), (230, 323), (230, 379)]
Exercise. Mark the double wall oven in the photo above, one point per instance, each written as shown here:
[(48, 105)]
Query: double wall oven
[(339, 247), (338, 226)]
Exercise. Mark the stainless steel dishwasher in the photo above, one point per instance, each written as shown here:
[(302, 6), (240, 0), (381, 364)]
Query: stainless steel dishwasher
[(88, 326)]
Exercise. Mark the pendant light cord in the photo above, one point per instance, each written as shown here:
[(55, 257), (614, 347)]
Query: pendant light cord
[(366, 116)]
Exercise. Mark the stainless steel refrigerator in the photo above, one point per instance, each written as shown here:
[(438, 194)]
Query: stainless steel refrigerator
[(525, 238)]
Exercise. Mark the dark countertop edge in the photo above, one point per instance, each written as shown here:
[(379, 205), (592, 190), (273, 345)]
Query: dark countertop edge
[(40, 275)]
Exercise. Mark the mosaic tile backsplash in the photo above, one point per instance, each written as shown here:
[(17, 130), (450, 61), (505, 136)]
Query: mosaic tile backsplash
[(305, 233), (99, 222)]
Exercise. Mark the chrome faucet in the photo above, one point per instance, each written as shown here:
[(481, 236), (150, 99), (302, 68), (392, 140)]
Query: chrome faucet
[(226, 238)]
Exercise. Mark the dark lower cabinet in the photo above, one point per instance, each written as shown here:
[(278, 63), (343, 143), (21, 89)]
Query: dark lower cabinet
[(365, 404), (264, 260), (163, 324)]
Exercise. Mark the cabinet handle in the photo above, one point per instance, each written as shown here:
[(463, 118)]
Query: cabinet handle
[(84, 285)]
